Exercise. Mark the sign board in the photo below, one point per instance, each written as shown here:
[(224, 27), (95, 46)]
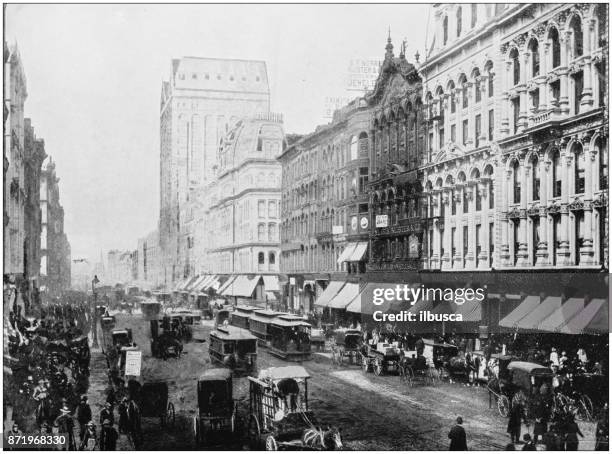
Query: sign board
[(354, 223), (362, 74), (337, 230), (364, 222), (413, 246), (382, 220), (133, 363), (291, 281), (333, 103)]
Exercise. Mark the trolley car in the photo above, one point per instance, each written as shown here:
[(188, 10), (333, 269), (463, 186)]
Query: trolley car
[(259, 323), (233, 347), (240, 317), (289, 338)]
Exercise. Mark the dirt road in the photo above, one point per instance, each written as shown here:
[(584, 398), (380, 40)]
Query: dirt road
[(381, 413)]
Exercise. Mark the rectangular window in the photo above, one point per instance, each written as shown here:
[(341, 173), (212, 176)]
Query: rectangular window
[(465, 201), (431, 139), (555, 89), (490, 84), (272, 209), (535, 99), (363, 179), (261, 208), (536, 239), (491, 241), (441, 242), (478, 238), (431, 243), (453, 203), (477, 91), (474, 14), (491, 124), (515, 114), (466, 240), (491, 195), (453, 133), (515, 230), (579, 235), (477, 131), (453, 233), (441, 145), (465, 132), (578, 86)]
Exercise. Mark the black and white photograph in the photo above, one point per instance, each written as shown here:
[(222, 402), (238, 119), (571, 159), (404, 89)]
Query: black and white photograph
[(306, 226)]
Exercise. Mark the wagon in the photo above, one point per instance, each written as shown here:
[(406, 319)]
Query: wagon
[(122, 337), (233, 347), (346, 346), (416, 369), (215, 417), (279, 417), (149, 400), (522, 383), (445, 359), (382, 359)]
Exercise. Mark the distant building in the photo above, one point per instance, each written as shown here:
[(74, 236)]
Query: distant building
[(148, 275), (15, 94), (202, 100), (119, 268), (55, 262)]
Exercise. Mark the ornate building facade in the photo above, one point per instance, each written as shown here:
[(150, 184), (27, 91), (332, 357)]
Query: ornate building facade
[(325, 223), (202, 99), (515, 175)]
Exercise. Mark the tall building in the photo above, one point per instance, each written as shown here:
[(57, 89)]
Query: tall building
[(202, 100), (15, 94), (241, 208), (33, 159), (516, 173), (324, 214), (148, 261), (55, 261)]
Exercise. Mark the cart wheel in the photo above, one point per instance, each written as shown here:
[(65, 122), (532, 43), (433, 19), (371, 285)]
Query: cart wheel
[(365, 364), (585, 408), (254, 431), (170, 415), (271, 444), (378, 366), (503, 406)]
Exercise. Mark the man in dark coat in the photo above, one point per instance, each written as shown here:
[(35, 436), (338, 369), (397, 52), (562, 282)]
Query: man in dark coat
[(107, 413), (83, 416), (457, 437), (514, 423), (108, 436)]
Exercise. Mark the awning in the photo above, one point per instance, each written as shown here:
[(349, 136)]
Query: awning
[(544, 309), (344, 297), (272, 296), (359, 252), (195, 285), (180, 285), (202, 285), (364, 302), (226, 284), (562, 315), (528, 305), (189, 282), (347, 252), (470, 311), (271, 283), (332, 289), (242, 286), (593, 319)]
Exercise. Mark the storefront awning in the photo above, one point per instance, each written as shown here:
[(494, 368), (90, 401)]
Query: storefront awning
[(528, 305), (272, 296), (540, 313), (226, 284), (189, 282), (195, 285), (242, 286), (180, 285), (470, 311), (347, 252), (562, 315), (344, 297), (593, 319), (332, 289), (202, 285), (363, 303), (271, 283), (359, 252)]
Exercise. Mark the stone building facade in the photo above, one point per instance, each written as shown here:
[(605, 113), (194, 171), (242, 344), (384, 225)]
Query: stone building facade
[(236, 218), (515, 176), (148, 265), (33, 159), (324, 215), (15, 198), (55, 261), (202, 100)]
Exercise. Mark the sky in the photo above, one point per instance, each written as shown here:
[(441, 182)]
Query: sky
[(94, 74)]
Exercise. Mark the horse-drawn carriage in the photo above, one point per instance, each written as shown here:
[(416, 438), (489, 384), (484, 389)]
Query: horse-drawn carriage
[(578, 392), (122, 337), (448, 361), (149, 400), (215, 416), (279, 417), (346, 346), (521, 383), (164, 344), (233, 347), (108, 322), (380, 359)]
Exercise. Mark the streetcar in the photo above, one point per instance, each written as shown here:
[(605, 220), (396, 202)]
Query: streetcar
[(240, 316), (259, 323), (289, 337), (233, 347)]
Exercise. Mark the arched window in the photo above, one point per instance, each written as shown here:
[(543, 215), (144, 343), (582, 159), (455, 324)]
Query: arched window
[(535, 179), (272, 258), (261, 258), (516, 182), (459, 23), (464, 91), (516, 66), (576, 27), (261, 232), (553, 36), (557, 174), (445, 30), (579, 168), (474, 15), (535, 57), (465, 201), (602, 151), (451, 90), (453, 202), (477, 92)]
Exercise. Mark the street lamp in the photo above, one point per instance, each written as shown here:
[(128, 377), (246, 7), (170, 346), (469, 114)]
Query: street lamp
[(95, 311)]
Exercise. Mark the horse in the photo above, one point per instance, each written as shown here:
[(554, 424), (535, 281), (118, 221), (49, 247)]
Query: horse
[(326, 440)]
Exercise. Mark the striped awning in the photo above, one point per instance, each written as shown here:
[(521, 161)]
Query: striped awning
[(332, 290), (562, 315), (593, 319), (344, 297), (527, 306)]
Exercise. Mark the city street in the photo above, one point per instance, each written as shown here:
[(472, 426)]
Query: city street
[(374, 412)]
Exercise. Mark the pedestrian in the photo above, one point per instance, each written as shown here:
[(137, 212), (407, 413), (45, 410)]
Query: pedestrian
[(457, 437), (89, 440), (554, 357), (529, 444), (65, 425), (551, 439), (571, 434), (514, 423), (83, 416), (582, 356), (108, 436), (123, 416), (107, 413)]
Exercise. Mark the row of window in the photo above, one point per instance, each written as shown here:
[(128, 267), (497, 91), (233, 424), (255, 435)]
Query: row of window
[(490, 10), (207, 76)]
